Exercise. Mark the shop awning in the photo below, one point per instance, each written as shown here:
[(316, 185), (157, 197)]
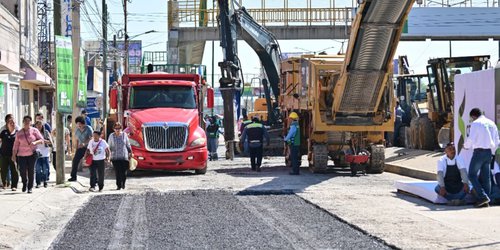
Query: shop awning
[(36, 75)]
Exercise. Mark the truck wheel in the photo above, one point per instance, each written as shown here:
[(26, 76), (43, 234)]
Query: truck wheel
[(201, 171), (319, 159), (402, 137), (427, 134), (377, 159), (414, 133)]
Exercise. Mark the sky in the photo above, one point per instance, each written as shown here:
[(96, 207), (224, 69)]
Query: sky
[(152, 14)]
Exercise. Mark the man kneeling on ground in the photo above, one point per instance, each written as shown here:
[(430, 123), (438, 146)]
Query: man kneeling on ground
[(453, 182)]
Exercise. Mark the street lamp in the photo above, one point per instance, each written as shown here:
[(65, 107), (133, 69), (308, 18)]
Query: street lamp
[(127, 38)]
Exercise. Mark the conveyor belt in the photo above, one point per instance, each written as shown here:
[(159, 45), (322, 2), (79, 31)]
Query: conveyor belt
[(375, 35)]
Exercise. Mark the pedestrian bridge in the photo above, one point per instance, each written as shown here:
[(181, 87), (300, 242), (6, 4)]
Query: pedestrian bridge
[(191, 24)]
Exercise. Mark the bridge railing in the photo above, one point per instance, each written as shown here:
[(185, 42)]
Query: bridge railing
[(195, 17)]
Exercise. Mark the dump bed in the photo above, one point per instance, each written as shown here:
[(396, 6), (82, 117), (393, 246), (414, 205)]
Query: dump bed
[(375, 34), (126, 79)]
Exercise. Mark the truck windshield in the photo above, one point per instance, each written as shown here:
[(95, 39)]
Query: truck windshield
[(162, 97)]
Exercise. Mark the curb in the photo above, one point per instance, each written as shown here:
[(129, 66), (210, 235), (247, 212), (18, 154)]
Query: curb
[(410, 172)]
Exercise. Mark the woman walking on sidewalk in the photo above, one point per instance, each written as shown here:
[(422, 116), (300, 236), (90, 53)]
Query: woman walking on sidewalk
[(25, 152), (99, 150), (42, 167), (8, 136), (121, 152)]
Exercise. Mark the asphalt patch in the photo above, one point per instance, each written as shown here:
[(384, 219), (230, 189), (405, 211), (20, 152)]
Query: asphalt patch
[(208, 220)]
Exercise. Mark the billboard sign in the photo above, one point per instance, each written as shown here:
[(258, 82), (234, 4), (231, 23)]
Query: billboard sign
[(449, 22), (64, 65), (66, 18), (82, 84)]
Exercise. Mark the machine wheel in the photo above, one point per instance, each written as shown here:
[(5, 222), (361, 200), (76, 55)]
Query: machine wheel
[(414, 128), (319, 159), (427, 135), (402, 137), (377, 159), (201, 171)]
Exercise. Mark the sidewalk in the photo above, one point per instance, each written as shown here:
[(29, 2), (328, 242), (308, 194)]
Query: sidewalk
[(419, 164), (32, 221)]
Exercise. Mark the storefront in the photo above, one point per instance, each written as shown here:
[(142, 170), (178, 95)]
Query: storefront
[(9, 97), (36, 91)]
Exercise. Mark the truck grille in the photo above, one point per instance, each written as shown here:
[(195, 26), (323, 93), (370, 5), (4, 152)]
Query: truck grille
[(165, 138)]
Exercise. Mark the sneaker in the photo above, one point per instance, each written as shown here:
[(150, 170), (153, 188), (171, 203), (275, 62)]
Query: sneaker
[(92, 189), (30, 191), (482, 202), (72, 179), (456, 203), (14, 189), (37, 186), (45, 184), (118, 188), (24, 188), (100, 189)]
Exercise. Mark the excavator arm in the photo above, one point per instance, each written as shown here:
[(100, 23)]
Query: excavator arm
[(265, 44), (376, 31), (232, 22)]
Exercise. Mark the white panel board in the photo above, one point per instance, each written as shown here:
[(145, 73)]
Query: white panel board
[(472, 90), (422, 189), (456, 22)]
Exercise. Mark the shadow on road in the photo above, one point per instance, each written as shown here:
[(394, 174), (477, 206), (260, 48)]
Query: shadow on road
[(281, 181), (406, 154), (420, 202)]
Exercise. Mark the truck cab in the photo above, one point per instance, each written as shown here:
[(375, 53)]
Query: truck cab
[(163, 117)]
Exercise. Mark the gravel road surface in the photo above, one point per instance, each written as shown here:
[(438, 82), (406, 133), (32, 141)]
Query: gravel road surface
[(207, 220)]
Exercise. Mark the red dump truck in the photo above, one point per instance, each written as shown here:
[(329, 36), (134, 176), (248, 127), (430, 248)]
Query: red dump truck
[(163, 116)]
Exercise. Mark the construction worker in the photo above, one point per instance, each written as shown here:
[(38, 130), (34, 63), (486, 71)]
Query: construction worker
[(255, 132), (212, 132), (293, 141), (245, 122)]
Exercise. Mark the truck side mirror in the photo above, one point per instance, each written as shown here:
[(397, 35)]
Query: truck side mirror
[(210, 98)]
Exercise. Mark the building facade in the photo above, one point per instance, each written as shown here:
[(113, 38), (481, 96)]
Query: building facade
[(25, 89)]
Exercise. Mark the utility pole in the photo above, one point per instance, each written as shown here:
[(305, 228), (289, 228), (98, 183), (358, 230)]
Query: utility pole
[(60, 156), (75, 43), (105, 61), (119, 108), (125, 44), (115, 63)]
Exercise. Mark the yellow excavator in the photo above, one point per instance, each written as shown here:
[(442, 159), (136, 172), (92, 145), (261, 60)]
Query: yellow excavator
[(346, 103)]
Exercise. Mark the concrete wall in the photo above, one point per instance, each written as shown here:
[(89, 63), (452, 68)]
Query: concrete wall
[(9, 46)]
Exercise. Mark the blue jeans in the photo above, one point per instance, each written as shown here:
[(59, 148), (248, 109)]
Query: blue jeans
[(449, 196), (42, 170), (495, 193), (481, 160)]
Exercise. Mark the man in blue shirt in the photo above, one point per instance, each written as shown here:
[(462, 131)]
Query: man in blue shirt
[(87, 119), (293, 141), (39, 117), (255, 132)]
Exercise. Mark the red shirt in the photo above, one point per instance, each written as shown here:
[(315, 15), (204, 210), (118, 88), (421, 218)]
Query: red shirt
[(22, 144)]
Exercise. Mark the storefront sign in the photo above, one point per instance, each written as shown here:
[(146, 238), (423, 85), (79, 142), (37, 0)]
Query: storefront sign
[(82, 84), (64, 64)]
